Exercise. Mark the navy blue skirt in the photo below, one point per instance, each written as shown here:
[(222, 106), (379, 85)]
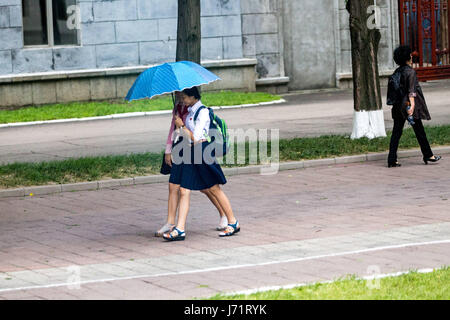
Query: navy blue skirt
[(199, 173)]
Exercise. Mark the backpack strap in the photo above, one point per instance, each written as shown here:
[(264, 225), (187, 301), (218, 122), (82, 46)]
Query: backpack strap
[(198, 112), (195, 119)]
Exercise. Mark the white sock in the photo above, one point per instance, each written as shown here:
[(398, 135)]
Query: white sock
[(166, 228), (223, 222)]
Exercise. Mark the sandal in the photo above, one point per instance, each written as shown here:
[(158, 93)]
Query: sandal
[(394, 164), (164, 229), (230, 230), (175, 235)]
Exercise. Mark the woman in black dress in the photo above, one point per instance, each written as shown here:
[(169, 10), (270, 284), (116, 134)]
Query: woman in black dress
[(418, 109)]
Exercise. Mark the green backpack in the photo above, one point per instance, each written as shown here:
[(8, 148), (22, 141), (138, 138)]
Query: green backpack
[(223, 138)]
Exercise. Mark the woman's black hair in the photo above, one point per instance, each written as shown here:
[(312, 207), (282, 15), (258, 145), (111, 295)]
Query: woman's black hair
[(402, 55), (192, 92)]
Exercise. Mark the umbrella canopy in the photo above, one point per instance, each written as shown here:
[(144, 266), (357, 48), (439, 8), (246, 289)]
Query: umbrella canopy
[(169, 77)]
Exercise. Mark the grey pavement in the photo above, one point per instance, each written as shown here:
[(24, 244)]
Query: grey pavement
[(303, 115), (298, 226), (225, 259)]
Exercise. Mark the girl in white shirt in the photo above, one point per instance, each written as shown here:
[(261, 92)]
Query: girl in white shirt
[(181, 110), (192, 168)]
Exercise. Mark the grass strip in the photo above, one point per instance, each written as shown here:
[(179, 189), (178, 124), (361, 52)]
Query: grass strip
[(410, 286), (103, 108), (121, 166)]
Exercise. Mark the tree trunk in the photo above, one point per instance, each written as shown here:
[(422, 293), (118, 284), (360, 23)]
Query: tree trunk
[(365, 39), (189, 31)]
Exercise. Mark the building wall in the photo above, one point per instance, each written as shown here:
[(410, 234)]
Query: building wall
[(10, 32), (309, 43), (119, 33), (305, 43), (262, 36), (317, 45)]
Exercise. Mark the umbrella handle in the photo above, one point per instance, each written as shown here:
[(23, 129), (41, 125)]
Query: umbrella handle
[(173, 100)]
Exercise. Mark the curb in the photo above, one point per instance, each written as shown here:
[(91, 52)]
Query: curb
[(130, 115), (259, 169)]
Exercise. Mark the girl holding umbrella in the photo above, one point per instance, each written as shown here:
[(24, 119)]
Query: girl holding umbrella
[(190, 174), (187, 175), (181, 111)]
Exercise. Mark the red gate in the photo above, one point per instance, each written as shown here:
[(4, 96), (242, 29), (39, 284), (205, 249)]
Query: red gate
[(424, 26)]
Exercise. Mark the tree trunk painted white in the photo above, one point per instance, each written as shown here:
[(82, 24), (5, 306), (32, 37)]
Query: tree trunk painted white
[(368, 124), (368, 120)]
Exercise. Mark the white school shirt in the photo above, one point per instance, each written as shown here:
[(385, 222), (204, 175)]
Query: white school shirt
[(200, 128)]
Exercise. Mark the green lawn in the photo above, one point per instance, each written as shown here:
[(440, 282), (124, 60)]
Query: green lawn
[(339, 145), (121, 166), (103, 108), (411, 286)]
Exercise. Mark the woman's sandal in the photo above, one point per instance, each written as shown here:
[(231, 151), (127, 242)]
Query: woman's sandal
[(164, 229), (394, 165), (436, 159), (230, 230), (175, 235)]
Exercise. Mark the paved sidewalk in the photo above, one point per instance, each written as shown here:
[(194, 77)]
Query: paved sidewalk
[(298, 226)]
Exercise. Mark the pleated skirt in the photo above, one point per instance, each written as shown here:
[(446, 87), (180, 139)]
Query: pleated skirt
[(200, 172)]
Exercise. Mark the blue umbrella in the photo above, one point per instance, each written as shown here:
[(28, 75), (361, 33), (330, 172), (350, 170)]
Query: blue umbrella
[(169, 77)]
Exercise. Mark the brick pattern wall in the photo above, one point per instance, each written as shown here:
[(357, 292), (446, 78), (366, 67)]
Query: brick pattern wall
[(10, 32), (117, 33), (260, 35)]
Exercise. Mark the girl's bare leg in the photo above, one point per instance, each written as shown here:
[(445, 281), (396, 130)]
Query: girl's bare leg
[(214, 201), (171, 211), (223, 222), (224, 203), (174, 198), (185, 197)]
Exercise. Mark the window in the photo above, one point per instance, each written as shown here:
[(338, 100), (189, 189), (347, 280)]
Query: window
[(50, 22)]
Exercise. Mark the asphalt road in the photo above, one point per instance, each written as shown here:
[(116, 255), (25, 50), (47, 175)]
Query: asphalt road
[(303, 115)]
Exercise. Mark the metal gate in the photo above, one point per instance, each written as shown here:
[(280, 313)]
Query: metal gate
[(424, 26)]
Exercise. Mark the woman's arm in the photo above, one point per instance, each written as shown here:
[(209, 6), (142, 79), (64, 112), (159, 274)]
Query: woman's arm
[(184, 131), (170, 137), (168, 151), (200, 125), (188, 133), (411, 86), (412, 103)]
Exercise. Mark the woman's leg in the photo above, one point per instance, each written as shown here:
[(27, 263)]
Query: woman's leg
[(221, 197), (174, 198), (223, 222), (174, 190), (214, 201), (185, 197), (421, 136), (397, 131)]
